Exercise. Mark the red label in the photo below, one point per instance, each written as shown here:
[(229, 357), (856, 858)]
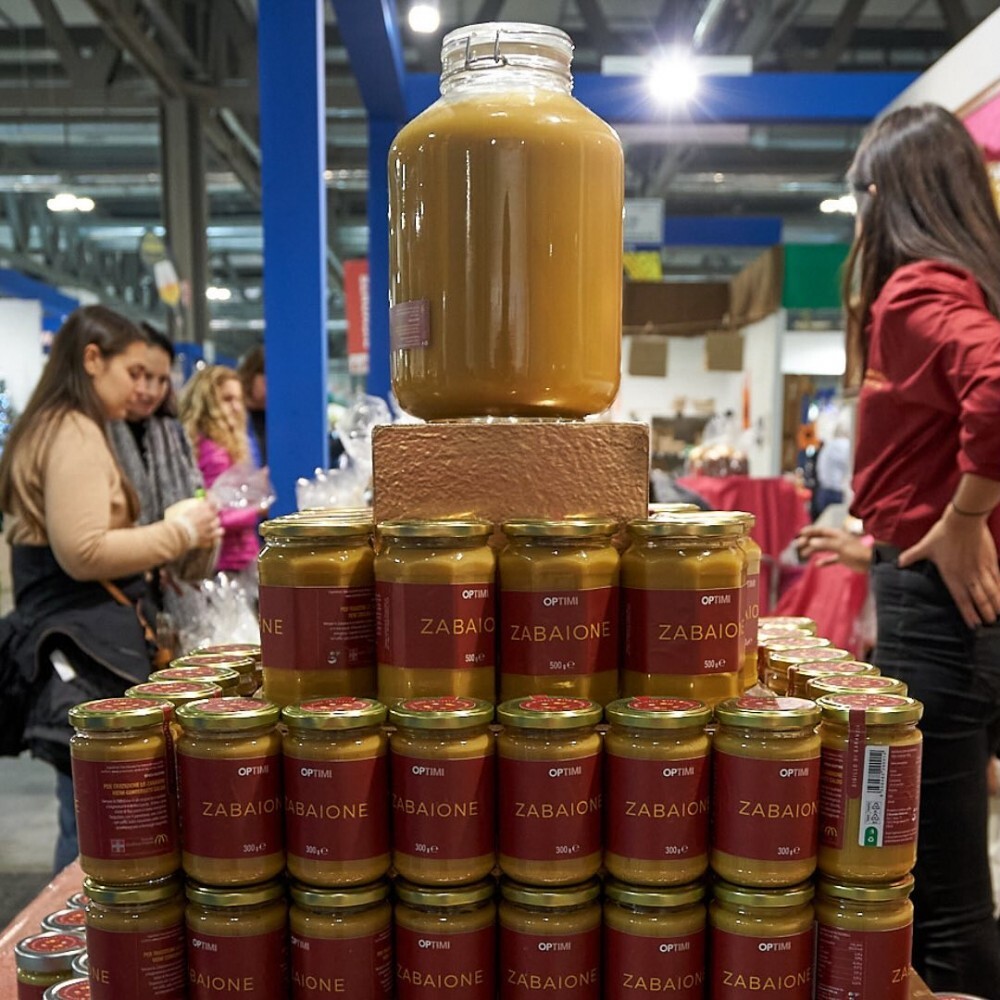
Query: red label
[(230, 808), (765, 809), (558, 966), (746, 968), (550, 810), (427, 965), (317, 628), (443, 703), (433, 626), (26, 992), (656, 810), (553, 703), (410, 324), (345, 704), (443, 808), (683, 631), (647, 703), (253, 967), (336, 810), (143, 965), (566, 633), (359, 968), (751, 611), (638, 966), (853, 964), (125, 808)]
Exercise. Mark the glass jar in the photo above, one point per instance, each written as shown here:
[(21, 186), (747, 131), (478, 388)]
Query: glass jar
[(869, 786), (237, 941), (224, 677), (241, 650), (245, 667), (656, 790), (445, 939), (505, 237), (801, 674), (550, 941), (43, 960), (229, 777), (341, 942), (172, 694), (826, 684), (559, 609), (550, 796), (682, 584), (121, 743), (435, 621), (135, 941), (751, 598), (864, 939), (71, 920), (336, 791), (443, 790), (765, 787), (317, 608), (761, 941), (69, 989), (776, 653), (654, 941)]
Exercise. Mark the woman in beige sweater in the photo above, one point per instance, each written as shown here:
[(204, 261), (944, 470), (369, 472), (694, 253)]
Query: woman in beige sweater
[(77, 560)]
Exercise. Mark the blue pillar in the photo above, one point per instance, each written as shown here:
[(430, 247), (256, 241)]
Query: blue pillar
[(293, 145)]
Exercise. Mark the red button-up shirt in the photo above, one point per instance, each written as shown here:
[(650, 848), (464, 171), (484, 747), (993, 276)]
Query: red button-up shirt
[(929, 407)]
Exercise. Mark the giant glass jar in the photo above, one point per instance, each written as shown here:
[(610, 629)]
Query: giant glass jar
[(505, 237)]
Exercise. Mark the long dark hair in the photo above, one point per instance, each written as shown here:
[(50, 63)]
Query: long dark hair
[(157, 338), (931, 201), (65, 386)]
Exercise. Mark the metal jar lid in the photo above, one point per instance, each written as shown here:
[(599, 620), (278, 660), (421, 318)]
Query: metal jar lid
[(735, 895), (542, 711), (660, 897), (455, 896), (805, 672), (879, 709), (334, 713), (825, 684), (175, 692), (701, 525), (788, 643), (72, 920), (771, 713), (569, 527), (646, 712), (52, 951), (78, 901), (319, 525), (116, 714), (440, 528), (227, 679), (228, 714), (441, 713), (550, 898), (81, 964), (242, 664), (69, 989), (238, 649), (338, 899), (159, 891), (251, 895), (800, 622), (885, 893)]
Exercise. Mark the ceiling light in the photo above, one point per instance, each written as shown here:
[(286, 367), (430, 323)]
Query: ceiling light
[(718, 178), (218, 293), (66, 201), (424, 17), (85, 204), (673, 78), (847, 204)]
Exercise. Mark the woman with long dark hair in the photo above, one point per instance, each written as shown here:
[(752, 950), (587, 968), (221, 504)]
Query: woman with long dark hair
[(923, 292)]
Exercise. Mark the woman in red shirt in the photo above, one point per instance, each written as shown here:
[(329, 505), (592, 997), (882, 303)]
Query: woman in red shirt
[(923, 284)]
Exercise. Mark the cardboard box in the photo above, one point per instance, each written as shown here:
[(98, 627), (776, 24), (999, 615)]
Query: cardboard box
[(724, 352), (647, 356)]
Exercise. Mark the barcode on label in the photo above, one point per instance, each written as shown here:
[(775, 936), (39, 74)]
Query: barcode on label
[(875, 779)]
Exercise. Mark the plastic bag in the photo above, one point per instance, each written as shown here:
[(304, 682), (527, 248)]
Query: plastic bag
[(243, 485), (221, 609)]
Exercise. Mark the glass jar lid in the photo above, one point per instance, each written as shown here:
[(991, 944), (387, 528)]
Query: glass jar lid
[(455, 896), (543, 711), (774, 713), (52, 951), (735, 895), (116, 713), (346, 712), (441, 713), (226, 679), (569, 527), (884, 893), (319, 525), (228, 714), (231, 661), (646, 712), (176, 692), (826, 684), (800, 622), (878, 709), (157, 891), (252, 895), (338, 899), (550, 898), (701, 525), (472, 527), (69, 989), (659, 897), (504, 43)]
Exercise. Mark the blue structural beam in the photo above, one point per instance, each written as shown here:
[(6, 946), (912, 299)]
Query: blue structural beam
[(293, 146), (55, 305), (721, 231), (381, 132)]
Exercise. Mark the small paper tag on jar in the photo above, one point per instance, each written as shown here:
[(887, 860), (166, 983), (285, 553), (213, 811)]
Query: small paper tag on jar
[(410, 325)]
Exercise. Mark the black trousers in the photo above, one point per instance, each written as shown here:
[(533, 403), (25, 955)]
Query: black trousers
[(955, 672)]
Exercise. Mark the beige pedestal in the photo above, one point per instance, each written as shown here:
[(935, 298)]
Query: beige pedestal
[(498, 471)]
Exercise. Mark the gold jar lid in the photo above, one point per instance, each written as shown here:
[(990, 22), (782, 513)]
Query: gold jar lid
[(176, 692), (800, 622), (741, 517), (454, 896), (568, 527), (659, 897), (158, 891), (544, 711), (666, 509), (647, 712), (338, 899), (231, 661), (786, 659), (788, 643), (773, 713), (345, 712), (116, 713), (826, 684), (735, 895), (828, 668), (884, 893), (226, 679), (251, 895), (879, 709), (228, 714), (51, 951), (239, 649), (701, 525), (441, 713), (550, 898), (319, 525), (472, 527)]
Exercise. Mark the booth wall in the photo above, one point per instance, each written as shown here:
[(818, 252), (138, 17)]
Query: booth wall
[(21, 357)]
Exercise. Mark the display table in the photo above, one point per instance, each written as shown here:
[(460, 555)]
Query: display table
[(69, 880)]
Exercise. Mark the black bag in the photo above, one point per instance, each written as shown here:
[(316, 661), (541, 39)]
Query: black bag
[(15, 691)]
